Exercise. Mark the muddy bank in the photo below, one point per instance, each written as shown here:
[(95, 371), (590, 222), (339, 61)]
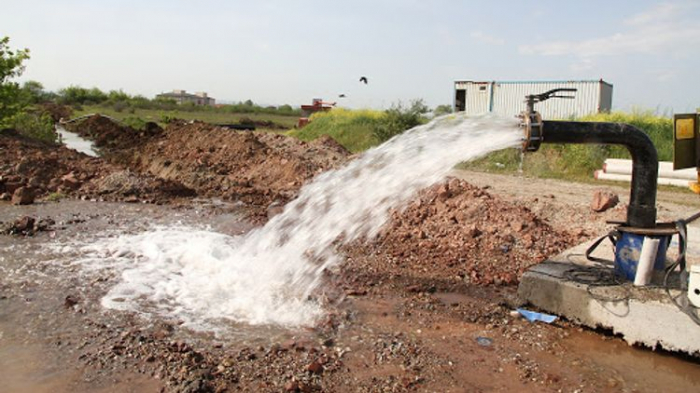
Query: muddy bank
[(185, 160), (255, 168), (32, 170)]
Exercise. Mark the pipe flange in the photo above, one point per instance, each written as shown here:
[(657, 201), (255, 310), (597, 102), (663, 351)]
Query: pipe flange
[(532, 129)]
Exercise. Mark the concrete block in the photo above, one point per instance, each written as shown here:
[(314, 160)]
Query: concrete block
[(569, 285)]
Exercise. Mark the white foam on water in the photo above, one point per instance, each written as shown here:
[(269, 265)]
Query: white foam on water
[(267, 275)]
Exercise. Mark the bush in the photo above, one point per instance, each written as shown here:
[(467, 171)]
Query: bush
[(442, 110), (399, 119), (55, 197), (73, 95), (134, 122), (34, 125), (119, 106)]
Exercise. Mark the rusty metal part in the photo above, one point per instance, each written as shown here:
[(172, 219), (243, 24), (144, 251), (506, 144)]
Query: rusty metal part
[(532, 129)]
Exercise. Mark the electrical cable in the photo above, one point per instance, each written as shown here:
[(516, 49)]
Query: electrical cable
[(684, 306), (594, 277)]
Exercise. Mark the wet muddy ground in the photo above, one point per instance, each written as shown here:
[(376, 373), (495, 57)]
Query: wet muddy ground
[(387, 332)]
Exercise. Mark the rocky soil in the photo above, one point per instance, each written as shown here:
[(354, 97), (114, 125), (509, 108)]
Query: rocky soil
[(31, 170), (456, 231), (258, 169)]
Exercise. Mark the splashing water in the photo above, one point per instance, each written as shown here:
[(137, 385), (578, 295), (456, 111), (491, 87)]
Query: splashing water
[(265, 277)]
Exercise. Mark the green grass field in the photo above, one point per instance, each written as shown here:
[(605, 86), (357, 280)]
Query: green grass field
[(354, 129), (158, 116)]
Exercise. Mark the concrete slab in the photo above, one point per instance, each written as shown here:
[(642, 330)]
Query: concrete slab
[(587, 293)]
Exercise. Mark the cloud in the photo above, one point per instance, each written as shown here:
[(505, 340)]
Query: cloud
[(446, 36), (664, 11), (666, 76), (583, 65), (658, 30), (486, 39)]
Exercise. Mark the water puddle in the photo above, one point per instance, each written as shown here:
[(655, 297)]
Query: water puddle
[(636, 368), (76, 142)]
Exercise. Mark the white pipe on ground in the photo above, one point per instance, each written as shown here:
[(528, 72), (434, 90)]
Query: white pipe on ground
[(600, 175), (624, 167)]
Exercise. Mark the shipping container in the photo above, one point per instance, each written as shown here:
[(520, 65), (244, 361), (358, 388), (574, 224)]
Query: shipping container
[(507, 98)]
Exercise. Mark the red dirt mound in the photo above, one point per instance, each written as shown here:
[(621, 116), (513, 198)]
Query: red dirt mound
[(456, 231), (255, 168), (109, 135), (45, 168), (56, 111)]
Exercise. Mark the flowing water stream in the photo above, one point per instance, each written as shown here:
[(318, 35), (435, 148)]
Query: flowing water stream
[(266, 276)]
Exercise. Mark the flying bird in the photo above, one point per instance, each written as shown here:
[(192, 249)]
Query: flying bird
[(363, 79), (341, 95)]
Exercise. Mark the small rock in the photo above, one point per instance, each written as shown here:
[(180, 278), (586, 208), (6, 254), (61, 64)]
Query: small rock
[(291, 386), (603, 200), (518, 226), (288, 345), (315, 367), (443, 192), (23, 225), (274, 209), (131, 199), (71, 301), (23, 196), (70, 181), (474, 231)]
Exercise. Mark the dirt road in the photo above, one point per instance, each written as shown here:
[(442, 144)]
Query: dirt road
[(567, 204)]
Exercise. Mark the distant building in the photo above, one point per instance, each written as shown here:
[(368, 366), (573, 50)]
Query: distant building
[(183, 97), (508, 98), (317, 105)]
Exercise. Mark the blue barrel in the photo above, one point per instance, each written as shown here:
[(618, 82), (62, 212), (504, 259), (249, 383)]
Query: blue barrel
[(628, 250)]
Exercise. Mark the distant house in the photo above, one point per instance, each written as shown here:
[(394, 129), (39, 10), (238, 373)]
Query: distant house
[(317, 105), (183, 97)]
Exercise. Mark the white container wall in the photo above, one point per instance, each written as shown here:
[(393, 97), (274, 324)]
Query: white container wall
[(508, 98)]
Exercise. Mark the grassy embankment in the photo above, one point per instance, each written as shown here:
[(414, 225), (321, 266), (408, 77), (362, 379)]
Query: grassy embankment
[(355, 131), (137, 116)]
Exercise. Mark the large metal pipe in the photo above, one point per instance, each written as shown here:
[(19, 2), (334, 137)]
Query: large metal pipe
[(641, 212)]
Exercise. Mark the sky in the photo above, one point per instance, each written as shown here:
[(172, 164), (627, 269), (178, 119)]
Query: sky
[(288, 52)]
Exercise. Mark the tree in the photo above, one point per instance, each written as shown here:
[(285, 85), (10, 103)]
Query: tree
[(442, 110), (72, 95), (33, 93), (11, 66), (398, 119)]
